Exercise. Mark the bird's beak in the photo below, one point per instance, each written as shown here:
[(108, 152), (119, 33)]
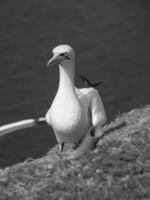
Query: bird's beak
[(56, 59)]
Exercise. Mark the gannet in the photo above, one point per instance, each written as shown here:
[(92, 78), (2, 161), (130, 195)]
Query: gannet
[(19, 125), (76, 115)]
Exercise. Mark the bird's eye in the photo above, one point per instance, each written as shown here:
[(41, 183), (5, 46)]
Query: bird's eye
[(65, 55)]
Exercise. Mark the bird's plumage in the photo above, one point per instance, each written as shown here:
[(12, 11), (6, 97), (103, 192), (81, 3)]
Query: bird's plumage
[(74, 112), (88, 83)]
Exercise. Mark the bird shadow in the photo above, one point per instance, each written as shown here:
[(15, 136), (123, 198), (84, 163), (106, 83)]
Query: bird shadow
[(114, 128), (110, 131)]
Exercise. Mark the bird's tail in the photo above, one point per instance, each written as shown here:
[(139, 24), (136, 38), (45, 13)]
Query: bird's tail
[(19, 125)]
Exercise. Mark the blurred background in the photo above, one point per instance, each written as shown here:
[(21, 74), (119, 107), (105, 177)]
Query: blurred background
[(112, 43)]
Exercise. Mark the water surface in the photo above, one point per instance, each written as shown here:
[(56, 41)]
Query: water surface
[(112, 43)]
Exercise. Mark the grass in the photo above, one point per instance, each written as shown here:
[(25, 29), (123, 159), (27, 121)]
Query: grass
[(118, 169)]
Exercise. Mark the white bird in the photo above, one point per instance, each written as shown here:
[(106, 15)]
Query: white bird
[(76, 115), (19, 125)]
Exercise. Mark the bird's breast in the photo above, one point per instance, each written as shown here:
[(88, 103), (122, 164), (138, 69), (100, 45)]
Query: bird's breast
[(68, 118)]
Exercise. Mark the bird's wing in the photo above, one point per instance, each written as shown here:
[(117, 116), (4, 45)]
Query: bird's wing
[(19, 125), (88, 83), (96, 84), (85, 80), (98, 115)]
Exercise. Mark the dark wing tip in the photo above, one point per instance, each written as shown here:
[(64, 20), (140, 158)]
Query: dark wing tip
[(88, 83), (97, 84)]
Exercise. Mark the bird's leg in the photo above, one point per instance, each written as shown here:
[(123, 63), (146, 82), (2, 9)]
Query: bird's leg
[(61, 146), (60, 143)]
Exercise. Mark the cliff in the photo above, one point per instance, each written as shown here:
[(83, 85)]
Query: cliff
[(119, 167)]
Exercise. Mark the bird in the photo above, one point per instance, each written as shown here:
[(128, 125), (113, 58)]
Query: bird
[(19, 125), (76, 115)]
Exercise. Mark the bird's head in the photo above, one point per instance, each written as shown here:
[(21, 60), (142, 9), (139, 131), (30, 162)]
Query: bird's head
[(61, 54)]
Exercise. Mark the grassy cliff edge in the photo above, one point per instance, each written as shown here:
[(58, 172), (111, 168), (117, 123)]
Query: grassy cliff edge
[(119, 168)]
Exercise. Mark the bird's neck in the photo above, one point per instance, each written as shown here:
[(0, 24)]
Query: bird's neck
[(66, 80)]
